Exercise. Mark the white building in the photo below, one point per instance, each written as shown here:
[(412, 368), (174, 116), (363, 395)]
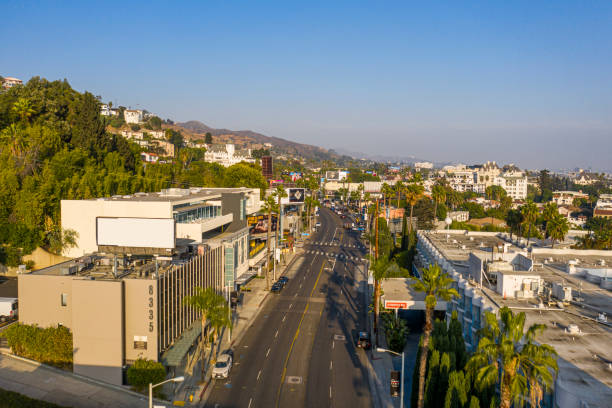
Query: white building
[(133, 116), (604, 206), (227, 155), (423, 165), (10, 82), (514, 183), (567, 197), (106, 110)]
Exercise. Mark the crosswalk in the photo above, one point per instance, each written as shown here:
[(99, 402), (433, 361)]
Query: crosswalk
[(335, 255), (336, 244)]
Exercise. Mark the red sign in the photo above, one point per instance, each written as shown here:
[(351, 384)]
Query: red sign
[(396, 305)]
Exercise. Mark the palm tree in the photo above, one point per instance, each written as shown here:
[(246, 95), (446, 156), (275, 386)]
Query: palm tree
[(436, 284), (219, 318), (557, 228), (360, 189), (414, 192), (269, 206), (530, 213), (438, 194), (510, 358), (399, 188), (386, 191), (204, 301), (514, 219)]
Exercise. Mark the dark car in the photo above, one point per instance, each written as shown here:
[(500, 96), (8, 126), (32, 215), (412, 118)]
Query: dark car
[(283, 280), (276, 288), (363, 340)]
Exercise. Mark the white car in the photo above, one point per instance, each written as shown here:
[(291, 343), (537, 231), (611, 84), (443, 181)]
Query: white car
[(222, 367), (317, 225)]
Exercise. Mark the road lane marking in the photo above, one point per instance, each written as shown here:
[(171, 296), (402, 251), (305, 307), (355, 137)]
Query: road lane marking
[(284, 317), (296, 293), (258, 374), (276, 335), (330, 392), (297, 332), (290, 306), (331, 364), (268, 353), (250, 402), (333, 344)]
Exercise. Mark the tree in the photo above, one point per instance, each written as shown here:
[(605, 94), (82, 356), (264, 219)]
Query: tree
[(549, 212), (399, 189), (514, 219), (280, 193), (529, 211), (495, 193), (414, 192), (381, 268), (23, 108), (386, 191), (510, 357), (208, 138), (204, 301), (220, 318), (438, 195), (557, 228), (435, 284), (244, 175), (268, 207)]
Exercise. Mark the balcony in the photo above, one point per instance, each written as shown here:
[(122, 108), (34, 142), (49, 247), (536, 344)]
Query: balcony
[(195, 229)]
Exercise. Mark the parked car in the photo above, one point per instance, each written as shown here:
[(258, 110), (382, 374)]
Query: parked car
[(363, 340), (276, 288), (222, 366), (318, 225), (283, 280)]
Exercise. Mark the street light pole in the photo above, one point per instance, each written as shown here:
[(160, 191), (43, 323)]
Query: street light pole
[(151, 386), (381, 350)]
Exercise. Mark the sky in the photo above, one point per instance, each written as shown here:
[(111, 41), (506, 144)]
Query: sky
[(524, 82)]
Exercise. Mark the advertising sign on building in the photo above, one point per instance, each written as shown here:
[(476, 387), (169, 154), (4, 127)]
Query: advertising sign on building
[(135, 232), (294, 196)]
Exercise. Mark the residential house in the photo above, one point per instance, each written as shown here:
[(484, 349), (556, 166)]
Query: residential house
[(133, 116), (10, 82), (227, 155), (567, 197), (603, 208)]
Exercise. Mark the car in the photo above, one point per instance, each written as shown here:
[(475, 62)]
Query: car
[(363, 340), (222, 366), (318, 224), (276, 288), (283, 280)]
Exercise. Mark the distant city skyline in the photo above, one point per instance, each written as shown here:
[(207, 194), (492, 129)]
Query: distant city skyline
[(526, 83)]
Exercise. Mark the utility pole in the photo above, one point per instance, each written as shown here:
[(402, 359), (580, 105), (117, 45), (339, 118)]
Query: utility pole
[(376, 232)]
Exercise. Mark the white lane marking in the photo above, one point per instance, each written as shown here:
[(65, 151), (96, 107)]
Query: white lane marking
[(258, 374), (268, 353), (330, 395), (331, 364), (290, 306), (295, 294), (333, 344), (250, 402), (284, 317), (276, 335), (301, 284)]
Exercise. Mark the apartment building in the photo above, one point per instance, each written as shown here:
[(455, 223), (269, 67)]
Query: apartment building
[(133, 116), (565, 289)]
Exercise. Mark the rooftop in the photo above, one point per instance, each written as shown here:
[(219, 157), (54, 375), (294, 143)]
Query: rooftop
[(174, 194)]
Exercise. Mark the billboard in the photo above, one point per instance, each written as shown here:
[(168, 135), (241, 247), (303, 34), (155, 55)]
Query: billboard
[(135, 232), (294, 196)]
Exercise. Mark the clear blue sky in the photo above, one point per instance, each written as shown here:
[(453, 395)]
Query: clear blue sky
[(524, 82)]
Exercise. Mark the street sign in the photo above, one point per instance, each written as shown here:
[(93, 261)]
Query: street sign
[(395, 305)]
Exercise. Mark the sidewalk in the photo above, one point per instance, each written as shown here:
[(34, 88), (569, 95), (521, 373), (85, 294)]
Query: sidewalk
[(246, 313), (62, 388)]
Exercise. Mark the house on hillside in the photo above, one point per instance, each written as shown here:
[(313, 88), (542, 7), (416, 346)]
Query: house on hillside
[(10, 82), (133, 116), (227, 155)]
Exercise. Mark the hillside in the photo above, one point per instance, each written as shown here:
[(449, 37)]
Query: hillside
[(281, 146)]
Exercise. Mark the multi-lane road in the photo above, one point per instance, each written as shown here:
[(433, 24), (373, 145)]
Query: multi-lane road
[(300, 350)]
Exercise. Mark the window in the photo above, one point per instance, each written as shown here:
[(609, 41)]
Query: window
[(64, 299)]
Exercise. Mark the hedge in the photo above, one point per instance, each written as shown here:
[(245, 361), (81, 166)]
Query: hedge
[(143, 372), (51, 345)]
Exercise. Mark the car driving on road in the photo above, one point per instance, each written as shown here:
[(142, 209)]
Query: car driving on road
[(222, 366), (363, 340)]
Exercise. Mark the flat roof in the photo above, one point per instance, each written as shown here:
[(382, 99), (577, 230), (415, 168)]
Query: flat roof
[(173, 194)]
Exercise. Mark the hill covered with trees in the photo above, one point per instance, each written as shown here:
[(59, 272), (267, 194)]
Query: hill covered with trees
[(54, 145)]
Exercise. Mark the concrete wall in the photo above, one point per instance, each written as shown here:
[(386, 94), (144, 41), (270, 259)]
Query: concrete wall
[(43, 258), (141, 318), (40, 300), (97, 329), (80, 215)]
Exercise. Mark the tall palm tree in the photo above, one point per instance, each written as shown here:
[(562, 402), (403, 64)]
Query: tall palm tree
[(510, 358), (381, 269), (360, 189), (557, 228), (399, 189), (219, 318), (205, 301), (436, 284), (530, 214), (438, 194), (414, 192), (269, 207), (386, 191)]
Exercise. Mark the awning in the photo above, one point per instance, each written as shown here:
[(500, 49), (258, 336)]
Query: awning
[(245, 277), (175, 354)]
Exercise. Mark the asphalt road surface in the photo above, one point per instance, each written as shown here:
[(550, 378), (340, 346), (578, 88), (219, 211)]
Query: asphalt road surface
[(300, 351)]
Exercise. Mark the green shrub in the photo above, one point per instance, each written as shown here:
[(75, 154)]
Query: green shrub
[(10, 399), (51, 345), (143, 372)]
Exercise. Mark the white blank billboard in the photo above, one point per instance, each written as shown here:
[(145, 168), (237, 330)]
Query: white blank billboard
[(136, 232)]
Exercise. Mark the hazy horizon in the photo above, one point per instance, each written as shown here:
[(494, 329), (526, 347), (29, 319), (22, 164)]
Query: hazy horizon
[(526, 83)]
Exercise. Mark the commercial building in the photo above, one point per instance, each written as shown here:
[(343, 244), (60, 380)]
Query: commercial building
[(266, 167), (565, 289)]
